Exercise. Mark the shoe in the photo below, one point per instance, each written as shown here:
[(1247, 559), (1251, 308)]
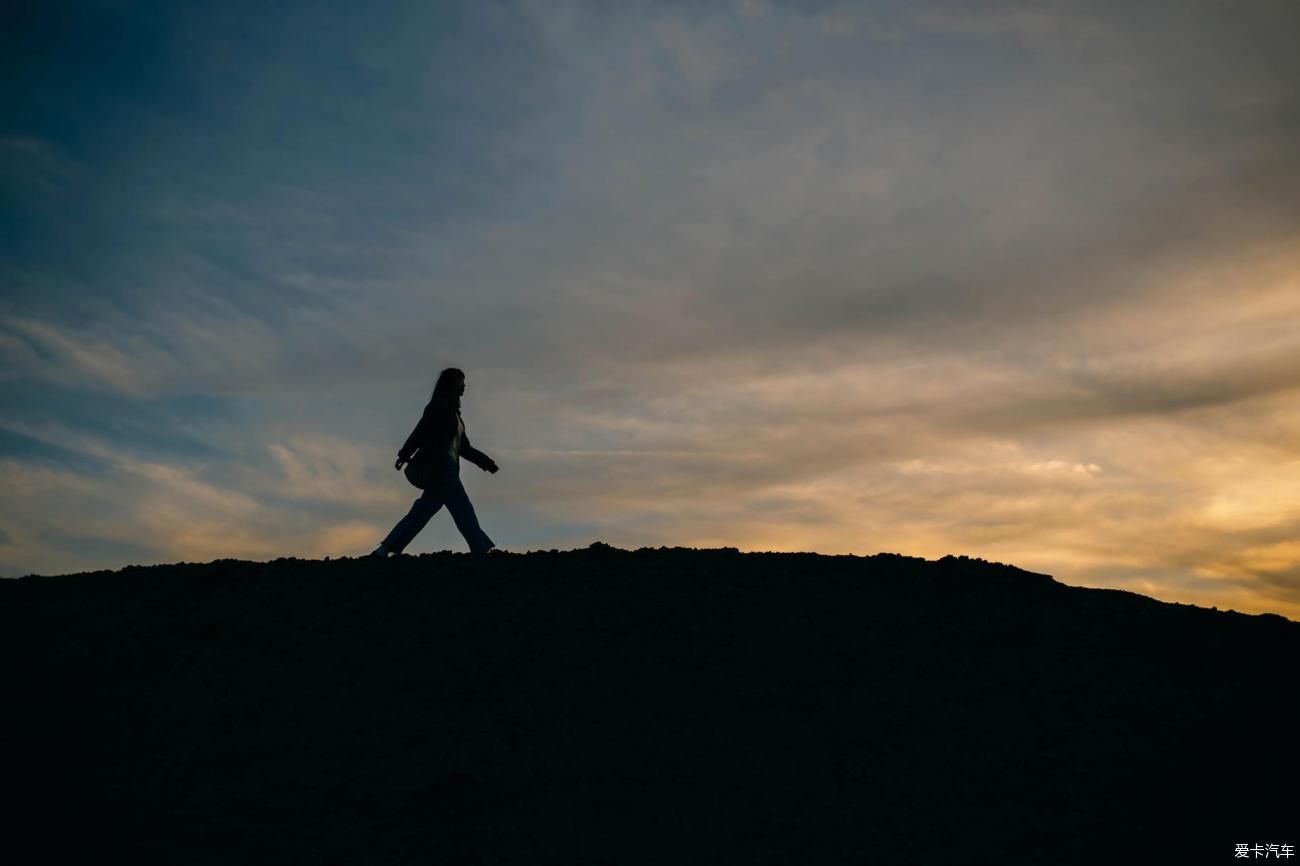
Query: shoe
[(379, 552)]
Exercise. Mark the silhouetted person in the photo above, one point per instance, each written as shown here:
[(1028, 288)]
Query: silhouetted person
[(432, 457)]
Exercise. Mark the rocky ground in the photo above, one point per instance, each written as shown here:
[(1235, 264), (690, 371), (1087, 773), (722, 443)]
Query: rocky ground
[(668, 706)]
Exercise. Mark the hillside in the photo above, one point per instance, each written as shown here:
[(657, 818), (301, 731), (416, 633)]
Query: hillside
[(659, 706)]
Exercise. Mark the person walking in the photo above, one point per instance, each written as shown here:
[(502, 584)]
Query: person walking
[(431, 456)]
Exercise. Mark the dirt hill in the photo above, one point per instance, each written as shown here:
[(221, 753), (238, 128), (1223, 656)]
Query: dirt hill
[(669, 706)]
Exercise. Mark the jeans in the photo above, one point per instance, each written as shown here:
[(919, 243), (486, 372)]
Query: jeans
[(444, 489)]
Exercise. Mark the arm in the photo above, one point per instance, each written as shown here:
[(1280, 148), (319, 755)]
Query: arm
[(475, 456)]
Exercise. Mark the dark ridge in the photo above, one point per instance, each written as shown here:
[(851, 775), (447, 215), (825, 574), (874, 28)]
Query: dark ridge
[(657, 706)]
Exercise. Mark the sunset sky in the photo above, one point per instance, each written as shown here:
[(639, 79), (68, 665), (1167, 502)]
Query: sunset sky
[(1015, 281)]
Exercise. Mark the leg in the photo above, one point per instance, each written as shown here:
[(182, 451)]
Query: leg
[(409, 526), (462, 511)]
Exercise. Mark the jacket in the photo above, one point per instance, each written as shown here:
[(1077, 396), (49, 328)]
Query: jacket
[(434, 432)]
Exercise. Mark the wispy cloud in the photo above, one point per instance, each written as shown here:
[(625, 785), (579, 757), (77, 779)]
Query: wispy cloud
[(42, 351)]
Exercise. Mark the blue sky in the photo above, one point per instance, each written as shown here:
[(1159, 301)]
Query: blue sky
[(1010, 280)]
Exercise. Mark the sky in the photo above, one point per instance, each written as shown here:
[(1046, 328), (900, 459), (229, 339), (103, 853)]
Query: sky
[(1018, 281)]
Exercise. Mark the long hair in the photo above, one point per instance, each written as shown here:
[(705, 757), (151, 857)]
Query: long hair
[(443, 390)]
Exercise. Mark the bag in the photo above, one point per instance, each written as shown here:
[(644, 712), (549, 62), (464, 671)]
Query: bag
[(428, 470), (418, 472)]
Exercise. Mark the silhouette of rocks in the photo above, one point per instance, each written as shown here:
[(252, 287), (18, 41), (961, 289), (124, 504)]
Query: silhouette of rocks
[(652, 706)]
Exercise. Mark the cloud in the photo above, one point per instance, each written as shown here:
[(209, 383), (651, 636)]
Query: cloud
[(59, 355), (32, 165), (180, 512), (323, 469)]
